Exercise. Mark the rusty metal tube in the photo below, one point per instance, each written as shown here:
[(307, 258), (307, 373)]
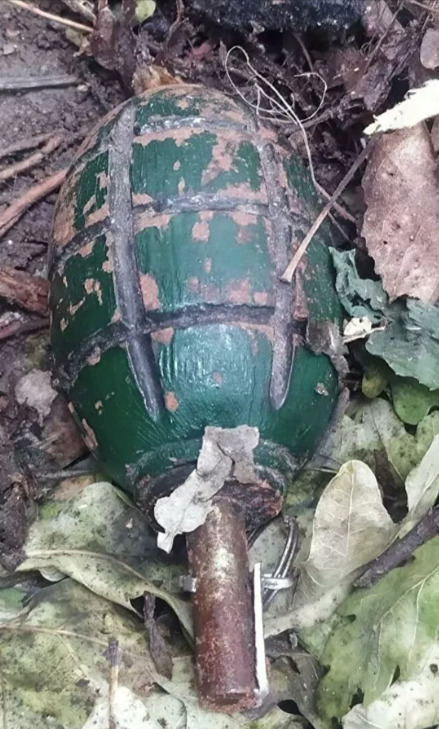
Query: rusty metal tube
[(223, 611)]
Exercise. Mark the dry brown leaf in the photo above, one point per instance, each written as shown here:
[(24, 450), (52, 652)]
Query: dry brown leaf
[(402, 217), (152, 77)]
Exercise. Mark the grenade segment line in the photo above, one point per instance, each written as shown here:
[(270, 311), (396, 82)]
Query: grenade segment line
[(128, 289)]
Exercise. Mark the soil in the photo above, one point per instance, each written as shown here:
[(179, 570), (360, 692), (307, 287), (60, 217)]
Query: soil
[(362, 69), (30, 46)]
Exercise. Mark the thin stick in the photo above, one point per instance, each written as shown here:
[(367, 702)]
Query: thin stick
[(49, 16), (24, 144), (27, 291), (32, 161), (291, 268), (14, 212), (23, 83), (18, 327), (400, 551)]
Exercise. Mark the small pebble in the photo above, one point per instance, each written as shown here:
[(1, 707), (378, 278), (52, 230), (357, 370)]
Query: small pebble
[(430, 48), (8, 48)]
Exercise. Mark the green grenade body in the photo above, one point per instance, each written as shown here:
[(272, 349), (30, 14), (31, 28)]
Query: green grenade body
[(168, 313)]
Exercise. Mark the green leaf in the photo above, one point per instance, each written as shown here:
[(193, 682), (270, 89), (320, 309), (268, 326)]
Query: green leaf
[(54, 667), (412, 401), (144, 10), (102, 541), (422, 487), (57, 672), (410, 343), (411, 704), (360, 297), (382, 632), (374, 431)]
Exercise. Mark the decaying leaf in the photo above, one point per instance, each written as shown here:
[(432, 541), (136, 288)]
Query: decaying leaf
[(384, 633), (359, 296), (100, 540), (402, 218), (58, 669), (35, 390), (412, 401), (350, 528), (408, 340), (411, 704), (374, 429), (422, 487), (420, 104), (53, 657), (410, 343), (371, 432)]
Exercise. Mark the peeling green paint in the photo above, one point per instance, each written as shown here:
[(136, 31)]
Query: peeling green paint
[(92, 310), (176, 258)]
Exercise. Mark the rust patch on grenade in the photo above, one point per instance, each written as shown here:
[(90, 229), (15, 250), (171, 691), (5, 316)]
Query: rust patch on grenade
[(222, 157), (150, 292), (87, 249), (163, 336), (171, 402), (239, 291), (200, 231), (146, 220), (141, 198), (179, 136), (93, 285), (73, 308), (89, 436)]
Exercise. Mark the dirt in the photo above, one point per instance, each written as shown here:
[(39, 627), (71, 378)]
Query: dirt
[(30, 46), (33, 449)]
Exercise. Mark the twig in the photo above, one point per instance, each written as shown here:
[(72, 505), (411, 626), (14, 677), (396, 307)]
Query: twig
[(21, 288), (14, 212), (50, 16), (32, 161), (18, 327), (337, 207), (24, 144), (113, 657), (402, 550), (291, 268), (5, 718), (23, 83)]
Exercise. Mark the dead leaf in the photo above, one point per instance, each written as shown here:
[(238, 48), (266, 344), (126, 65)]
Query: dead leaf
[(402, 218), (113, 42), (150, 77), (160, 652), (420, 104), (35, 390)]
